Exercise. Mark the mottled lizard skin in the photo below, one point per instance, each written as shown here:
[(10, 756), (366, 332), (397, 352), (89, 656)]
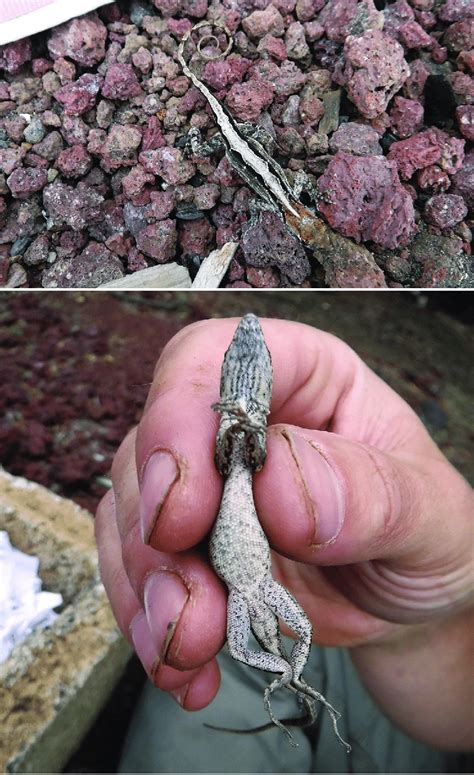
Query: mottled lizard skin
[(239, 549)]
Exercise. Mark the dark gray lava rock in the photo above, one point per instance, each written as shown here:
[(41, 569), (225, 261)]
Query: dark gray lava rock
[(269, 243)]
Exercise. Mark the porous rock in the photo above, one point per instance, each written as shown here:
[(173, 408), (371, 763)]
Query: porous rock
[(375, 70), (79, 96), (368, 201), (74, 207), (269, 243), (81, 39), (94, 266)]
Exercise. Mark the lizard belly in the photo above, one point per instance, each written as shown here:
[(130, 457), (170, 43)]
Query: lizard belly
[(237, 525)]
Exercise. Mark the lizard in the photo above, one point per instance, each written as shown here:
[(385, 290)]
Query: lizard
[(245, 153), (238, 548), (256, 166)]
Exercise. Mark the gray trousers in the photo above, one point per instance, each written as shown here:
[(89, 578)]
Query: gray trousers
[(164, 738)]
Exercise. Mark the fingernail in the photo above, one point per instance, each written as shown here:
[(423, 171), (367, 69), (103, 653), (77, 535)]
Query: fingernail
[(165, 596), (161, 472), (180, 694), (323, 487), (143, 642)]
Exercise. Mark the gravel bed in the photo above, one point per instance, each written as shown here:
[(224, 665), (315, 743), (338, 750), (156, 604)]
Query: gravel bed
[(373, 99)]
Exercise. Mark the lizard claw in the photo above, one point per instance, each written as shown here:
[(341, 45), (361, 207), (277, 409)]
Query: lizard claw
[(327, 197)]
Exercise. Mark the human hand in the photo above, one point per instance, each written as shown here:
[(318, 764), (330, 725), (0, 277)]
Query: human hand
[(368, 521)]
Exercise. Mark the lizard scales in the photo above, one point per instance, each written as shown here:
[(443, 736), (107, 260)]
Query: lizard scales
[(246, 387)]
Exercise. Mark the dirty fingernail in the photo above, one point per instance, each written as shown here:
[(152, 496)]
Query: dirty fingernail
[(165, 596), (143, 642), (324, 488), (161, 472)]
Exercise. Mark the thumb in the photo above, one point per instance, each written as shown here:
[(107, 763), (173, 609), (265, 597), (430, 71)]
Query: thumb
[(398, 522)]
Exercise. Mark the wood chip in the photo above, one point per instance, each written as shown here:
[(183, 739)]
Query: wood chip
[(214, 267), (155, 277)]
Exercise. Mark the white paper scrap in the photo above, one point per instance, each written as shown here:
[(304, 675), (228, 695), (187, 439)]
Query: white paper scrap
[(24, 607)]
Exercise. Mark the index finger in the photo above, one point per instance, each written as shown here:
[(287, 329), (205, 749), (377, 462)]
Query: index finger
[(319, 383)]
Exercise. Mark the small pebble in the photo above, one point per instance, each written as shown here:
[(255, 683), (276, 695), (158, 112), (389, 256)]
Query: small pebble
[(357, 139), (24, 182), (465, 119), (406, 116), (158, 240), (17, 277), (35, 131), (79, 96), (19, 246), (445, 210), (121, 83), (260, 23)]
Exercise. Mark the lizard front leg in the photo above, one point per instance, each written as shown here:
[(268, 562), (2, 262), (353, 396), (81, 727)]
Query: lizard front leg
[(302, 182), (258, 133), (199, 147)]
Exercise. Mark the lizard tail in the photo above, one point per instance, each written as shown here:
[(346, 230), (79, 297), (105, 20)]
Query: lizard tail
[(299, 721), (206, 39)]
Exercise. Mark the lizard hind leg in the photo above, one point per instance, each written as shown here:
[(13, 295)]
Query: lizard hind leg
[(277, 684), (286, 608), (265, 627), (284, 605), (241, 620), (304, 688)]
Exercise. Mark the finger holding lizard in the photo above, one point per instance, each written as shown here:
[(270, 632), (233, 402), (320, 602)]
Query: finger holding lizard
[(352, 482), (153, 595)]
